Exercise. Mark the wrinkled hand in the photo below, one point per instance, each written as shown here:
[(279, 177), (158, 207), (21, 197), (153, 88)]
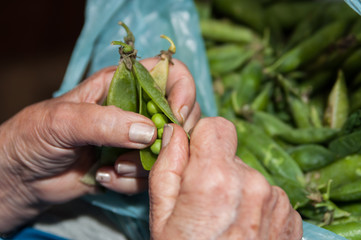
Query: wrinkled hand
[(46, 148), (204, 192)]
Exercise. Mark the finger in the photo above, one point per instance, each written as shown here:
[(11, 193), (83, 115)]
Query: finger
[(165, 176), (181, 90), (85, 123), (214, 140), (129, 165), (193, 118), (282, 216), (93, 89), (68, 184), (108, 178)]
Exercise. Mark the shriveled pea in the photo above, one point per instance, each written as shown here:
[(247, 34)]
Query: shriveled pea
[(152, 108), (156, 146)]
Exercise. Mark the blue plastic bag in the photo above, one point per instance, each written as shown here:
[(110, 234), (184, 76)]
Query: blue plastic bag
[(355, 5), (148, 19)]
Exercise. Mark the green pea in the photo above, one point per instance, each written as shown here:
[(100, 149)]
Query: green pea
[(159, 120), (160, 132), (153, 108), (156, 146)]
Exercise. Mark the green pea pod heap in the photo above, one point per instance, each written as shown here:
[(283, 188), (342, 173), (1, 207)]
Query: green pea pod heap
[(288, 75)]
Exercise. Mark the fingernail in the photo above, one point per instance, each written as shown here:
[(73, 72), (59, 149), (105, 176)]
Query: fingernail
[(167, 134), (102, 177), (141, 133), (125, 168), (183, 112)]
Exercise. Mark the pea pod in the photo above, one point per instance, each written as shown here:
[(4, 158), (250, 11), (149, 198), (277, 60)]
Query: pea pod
[(122, 93), (310, 23), (309, 49), (300, 111), (276, 128), (311, 156), (230, 80), (226, 58), (316, 82), (160, 71), (245, 11), (355, 99), (288, 14), (223, 31), (353, 208), (152, 87), (352, 64), (349, 140), (278, 162), (350, 230), (338, 106), (347, 192), (248, 86), (342, 171), (133, 86), (262, 100)]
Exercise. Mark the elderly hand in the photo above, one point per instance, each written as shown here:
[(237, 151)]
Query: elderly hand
[(46, 148), (205, 192)]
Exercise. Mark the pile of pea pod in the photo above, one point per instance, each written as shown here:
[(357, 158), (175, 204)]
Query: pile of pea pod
[(288, 75)]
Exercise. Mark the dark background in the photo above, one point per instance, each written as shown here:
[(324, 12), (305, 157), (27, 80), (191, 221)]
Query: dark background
[(37, 39)]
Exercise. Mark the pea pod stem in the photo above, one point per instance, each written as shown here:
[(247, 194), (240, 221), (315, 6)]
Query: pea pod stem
[(129, 39), (172, 47)]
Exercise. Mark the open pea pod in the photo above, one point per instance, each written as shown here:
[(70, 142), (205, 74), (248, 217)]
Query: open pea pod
[(149, 86)]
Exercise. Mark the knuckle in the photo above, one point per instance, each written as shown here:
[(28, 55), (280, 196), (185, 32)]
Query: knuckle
[(224, 184), (59, 114), (258, 187)]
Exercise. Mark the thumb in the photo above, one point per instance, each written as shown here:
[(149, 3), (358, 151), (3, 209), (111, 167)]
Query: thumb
[(71, 124), (166, 175)]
